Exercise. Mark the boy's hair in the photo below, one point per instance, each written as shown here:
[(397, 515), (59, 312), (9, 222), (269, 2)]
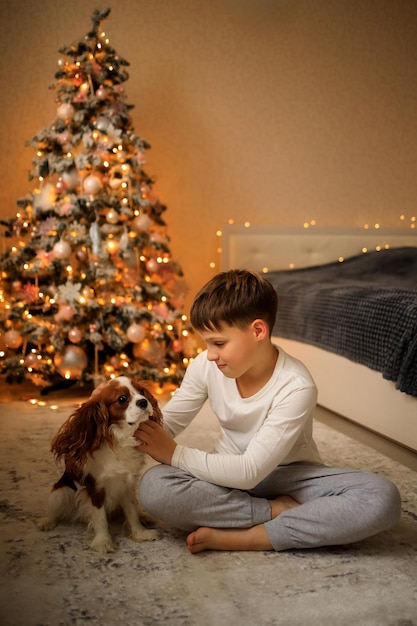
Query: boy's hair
[(236, 298)]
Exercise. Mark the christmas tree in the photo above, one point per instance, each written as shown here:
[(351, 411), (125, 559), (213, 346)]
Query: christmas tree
[(88, 286)]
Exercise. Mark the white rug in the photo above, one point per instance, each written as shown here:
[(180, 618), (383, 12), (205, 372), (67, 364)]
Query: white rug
[(56, 579)]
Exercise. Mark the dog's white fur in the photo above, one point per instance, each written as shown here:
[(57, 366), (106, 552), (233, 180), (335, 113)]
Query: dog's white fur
[(101, 462)]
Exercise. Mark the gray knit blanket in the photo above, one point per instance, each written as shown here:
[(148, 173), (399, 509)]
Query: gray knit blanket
[(364, 308)]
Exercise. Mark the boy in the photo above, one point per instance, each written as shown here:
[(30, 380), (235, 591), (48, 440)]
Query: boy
[(265, 486)]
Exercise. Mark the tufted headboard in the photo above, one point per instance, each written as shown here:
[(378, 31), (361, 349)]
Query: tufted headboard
[(263, 248)]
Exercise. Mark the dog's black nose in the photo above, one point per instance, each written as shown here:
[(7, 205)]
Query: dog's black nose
[(142, 404)]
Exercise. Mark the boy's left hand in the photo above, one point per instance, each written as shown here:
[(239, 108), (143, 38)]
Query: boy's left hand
[(155, 442)]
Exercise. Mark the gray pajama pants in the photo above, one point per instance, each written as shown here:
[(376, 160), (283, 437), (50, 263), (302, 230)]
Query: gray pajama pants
[(338, 506)]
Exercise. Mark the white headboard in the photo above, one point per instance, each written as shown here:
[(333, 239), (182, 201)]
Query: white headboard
[(262, 248)]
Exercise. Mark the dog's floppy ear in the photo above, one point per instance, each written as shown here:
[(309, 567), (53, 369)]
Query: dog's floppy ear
[(156, 413), (82, 433), (144, 387)]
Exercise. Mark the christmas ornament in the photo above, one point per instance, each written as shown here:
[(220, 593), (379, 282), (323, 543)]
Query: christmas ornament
[(95, 238), (13, 339), (65, 313), (31, 359), (162, 310), (152, 266), (71, 362), (116, 361), (82, 255), (70, 178), (64, 209), (141, 223), (75, 335), (45, 198), (135, 333), (87, 292), (69, 292), (177, 345), (115, 182), (102, 124), (112, 216), (61, 250), (121, 156), (65, 111), (101, 93), (81, 96), (150, 350), (60, 186), (64, 137), (92, 184), (29, 293)]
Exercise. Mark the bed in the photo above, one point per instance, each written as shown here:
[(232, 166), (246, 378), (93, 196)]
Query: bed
[(364, 376)]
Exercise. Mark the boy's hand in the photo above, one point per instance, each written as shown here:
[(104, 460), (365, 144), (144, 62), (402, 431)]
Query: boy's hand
[(155, 442)]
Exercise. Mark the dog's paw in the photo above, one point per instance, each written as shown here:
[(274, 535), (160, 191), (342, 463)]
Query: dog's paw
[(46, 523), (103, 545), (145, 534)]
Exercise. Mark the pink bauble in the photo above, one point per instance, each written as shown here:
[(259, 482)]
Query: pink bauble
[(177, 345), (75, 335), (70, 178), (135, 333), (102, 123), (116, 361), (115, 182), (60, 186), (101, 93), (71, 362), (64, 209), (152, 266), (121, 156), (81, 96), (141, 223), (65, 111), (158, 237), (31, 359), (46, 197), (112, 216), (92, 184), (64, 137), (13, 339), (161, 309), (65, 312), (82, 255), (61, 250), (151, 351)]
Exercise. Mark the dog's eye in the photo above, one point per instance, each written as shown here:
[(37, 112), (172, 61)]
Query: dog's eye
[(123, 399)]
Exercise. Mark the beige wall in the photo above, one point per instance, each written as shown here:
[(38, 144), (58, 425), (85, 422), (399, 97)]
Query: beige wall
[(271, 111)]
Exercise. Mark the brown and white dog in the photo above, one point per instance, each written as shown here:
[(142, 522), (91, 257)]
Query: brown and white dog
[(101, 463)]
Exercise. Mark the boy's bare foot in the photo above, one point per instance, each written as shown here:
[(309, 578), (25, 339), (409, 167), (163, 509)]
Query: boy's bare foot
[(255, 538), (204, 538), (281, 504)]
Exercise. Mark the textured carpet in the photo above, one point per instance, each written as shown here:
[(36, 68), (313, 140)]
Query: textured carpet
[(56, 579)]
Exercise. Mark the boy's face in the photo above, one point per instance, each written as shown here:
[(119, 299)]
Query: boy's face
[(234, 350)]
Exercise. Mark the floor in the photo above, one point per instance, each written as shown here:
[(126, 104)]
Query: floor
[(55, 579)]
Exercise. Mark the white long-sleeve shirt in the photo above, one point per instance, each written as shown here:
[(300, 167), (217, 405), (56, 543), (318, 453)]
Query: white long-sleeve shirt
[(272, 427)]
